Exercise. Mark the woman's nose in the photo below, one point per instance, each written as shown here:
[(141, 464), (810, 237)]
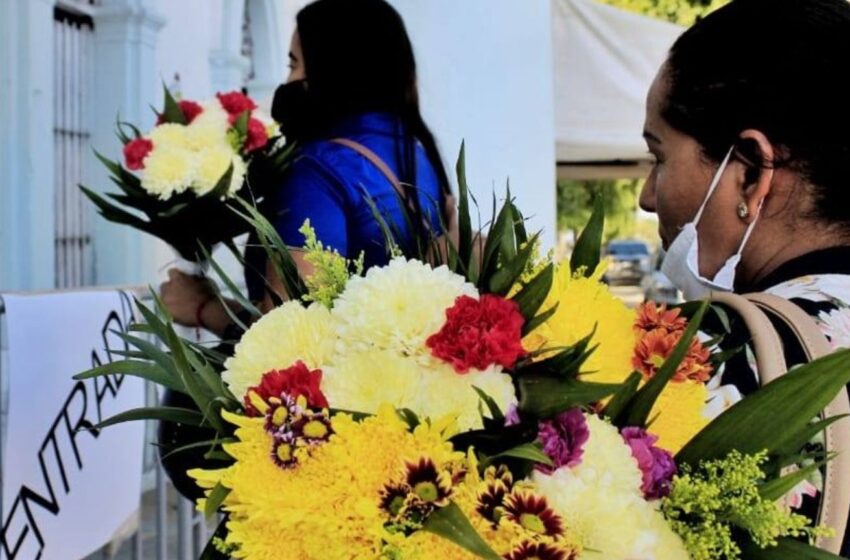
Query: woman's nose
[(647, 195)]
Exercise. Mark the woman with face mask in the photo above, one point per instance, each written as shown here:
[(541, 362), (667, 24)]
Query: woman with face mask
[(351, 104), (749, 124)]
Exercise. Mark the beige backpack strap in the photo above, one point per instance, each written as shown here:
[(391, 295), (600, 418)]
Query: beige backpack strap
[(835, 504), (375, 160), (766, 342)]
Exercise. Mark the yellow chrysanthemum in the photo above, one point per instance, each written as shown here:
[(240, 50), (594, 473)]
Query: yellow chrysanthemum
[(169, 170), (363, 381), (582, 304), (601, 501), (397, 307), (678, 414), (213, 163), (328, 506), (280, 338)]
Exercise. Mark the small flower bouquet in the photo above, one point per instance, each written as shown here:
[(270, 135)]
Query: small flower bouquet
[(180, 180), (507, 408)]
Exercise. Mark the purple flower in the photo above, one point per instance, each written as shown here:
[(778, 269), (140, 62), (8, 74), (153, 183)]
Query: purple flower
[(563, 439), (512, 416), (656, 464)]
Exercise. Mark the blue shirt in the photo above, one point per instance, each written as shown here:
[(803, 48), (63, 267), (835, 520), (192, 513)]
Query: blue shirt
[(331, 184)]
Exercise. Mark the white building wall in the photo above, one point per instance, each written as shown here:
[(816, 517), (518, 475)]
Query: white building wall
[(485, 76)]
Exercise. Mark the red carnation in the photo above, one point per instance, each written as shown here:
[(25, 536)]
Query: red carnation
[(135, 153), (257, 137), (236, 103), (190, 110), (295, 381), (479, 333)]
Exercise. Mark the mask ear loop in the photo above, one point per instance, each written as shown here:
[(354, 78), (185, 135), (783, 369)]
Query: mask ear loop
[(714, 183)]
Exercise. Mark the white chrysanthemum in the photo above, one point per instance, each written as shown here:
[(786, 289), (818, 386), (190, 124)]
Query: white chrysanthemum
[(602, 503), (208, 128), (444, 392), (363, 381), (169, 170), (397, 307), (169, 136), (240, 169), (279, 339), (213, 163)]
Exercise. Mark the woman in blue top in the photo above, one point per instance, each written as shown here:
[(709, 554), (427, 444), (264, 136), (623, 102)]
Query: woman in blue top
[(351, 102)]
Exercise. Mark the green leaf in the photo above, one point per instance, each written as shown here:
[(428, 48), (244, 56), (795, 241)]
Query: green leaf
[(544, 396), (588, 249), (167, 413), (621, 398), (114, 213), (779, 487), (172, 112), (241, 124), (210, 552), (495, 413), (565, 363), (539, 319), (506, 277), (151, 352), (636, 412), (465, 253), (136, 368), (530, 452), (450, 523), (215, 498), (231, 286), (810, 387), (787, 549), (209, 443), (794, 442), (223, 186), (409, 417), (533, 294)]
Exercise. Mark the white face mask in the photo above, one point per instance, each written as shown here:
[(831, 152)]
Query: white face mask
[(681, 264)]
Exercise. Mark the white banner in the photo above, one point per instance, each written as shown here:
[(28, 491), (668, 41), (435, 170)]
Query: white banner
[(66, 488)]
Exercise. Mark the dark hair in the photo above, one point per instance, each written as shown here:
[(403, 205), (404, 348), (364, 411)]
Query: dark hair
[(777, 66), (359, 59)]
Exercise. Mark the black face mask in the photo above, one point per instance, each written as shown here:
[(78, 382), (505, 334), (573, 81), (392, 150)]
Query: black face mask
[(293, 108)]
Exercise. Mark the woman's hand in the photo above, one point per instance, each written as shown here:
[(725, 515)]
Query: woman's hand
[(183, 295)]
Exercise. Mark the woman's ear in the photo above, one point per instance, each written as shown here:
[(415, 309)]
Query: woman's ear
[(759, 156)]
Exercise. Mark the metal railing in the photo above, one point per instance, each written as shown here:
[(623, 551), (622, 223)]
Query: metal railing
[(169, 527)]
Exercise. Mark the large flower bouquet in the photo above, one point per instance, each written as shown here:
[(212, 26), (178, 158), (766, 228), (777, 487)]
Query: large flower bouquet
[(180, 180), (501, 406)]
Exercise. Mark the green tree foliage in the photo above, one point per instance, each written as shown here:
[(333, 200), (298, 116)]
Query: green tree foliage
[(683, 12), (575, 202)]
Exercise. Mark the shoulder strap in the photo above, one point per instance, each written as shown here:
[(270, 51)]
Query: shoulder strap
[(835, 509), (766, 342), (375, 160)]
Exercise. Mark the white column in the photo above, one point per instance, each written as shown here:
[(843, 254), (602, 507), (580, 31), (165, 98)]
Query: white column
[(125, 83), (228, 67), (271, 48), (26, 145)]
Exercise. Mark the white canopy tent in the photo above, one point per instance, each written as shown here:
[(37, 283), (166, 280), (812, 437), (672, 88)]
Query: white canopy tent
[(605, 60)]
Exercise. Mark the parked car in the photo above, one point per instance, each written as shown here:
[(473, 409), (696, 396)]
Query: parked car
[(631, 262), (657, 287)]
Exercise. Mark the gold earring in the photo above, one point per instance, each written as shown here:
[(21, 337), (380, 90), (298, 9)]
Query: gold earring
[(743, 210)]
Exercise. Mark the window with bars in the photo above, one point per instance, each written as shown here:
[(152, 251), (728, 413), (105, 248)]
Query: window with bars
[(73, 42)]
